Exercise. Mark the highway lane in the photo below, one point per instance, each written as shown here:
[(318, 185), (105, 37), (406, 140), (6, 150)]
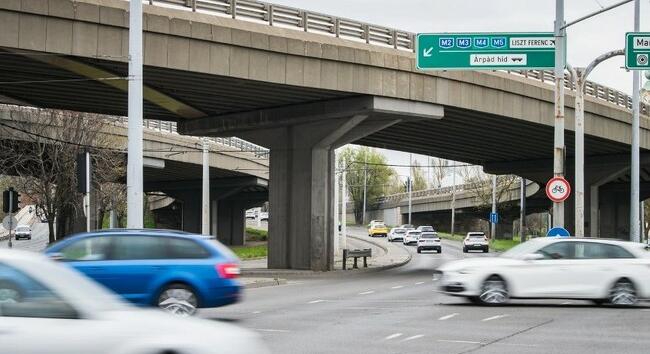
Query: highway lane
[(401, 311), (39, 241)]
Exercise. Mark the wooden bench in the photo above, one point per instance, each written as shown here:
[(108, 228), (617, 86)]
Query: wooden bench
[(356, 253)]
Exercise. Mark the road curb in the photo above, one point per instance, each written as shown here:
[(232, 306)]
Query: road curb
[(387, 266), (265, 283)]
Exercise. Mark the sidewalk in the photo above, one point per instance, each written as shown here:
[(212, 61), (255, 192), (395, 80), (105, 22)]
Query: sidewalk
[(385, 255)]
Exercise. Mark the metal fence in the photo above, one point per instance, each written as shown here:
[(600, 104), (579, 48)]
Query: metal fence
[(308, 21)]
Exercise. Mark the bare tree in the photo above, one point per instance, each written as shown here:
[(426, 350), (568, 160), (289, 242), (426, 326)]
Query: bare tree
[(480, 184), (440, 171), (40, 146)]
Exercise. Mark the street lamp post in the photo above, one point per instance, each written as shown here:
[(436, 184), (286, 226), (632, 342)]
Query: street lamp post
[(635, 233)]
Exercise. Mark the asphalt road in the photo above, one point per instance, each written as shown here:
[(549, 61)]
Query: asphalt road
[(38, 242), (400, 311)]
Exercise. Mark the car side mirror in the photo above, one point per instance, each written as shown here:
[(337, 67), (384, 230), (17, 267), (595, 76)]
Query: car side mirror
[(533, 257), (55, 256)]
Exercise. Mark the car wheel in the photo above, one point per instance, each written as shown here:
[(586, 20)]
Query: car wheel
[(9, 293), (464, 250), (419, 250), (178, 299), (494, 291), (485, 250), (623, 293), (439, 250)]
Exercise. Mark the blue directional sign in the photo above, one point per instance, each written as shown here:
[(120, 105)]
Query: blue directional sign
[(494, 218), (558, 232)]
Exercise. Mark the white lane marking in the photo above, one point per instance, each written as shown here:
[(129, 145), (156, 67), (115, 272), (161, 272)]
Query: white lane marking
[(458, 341), (256, 312), (646, 310), (494, 318), (413, 337), (393, 336), (315, 301), (398, 287), (516, 344), (367, 292), (419, 283), (566, 303), (271, 330), (447, 317)]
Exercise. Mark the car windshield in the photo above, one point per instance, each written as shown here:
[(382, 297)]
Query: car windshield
[(429, 235), (22, 228), (426, 228), (399, 231), (523, 249), (476, 237), (414, 233), (380, 226)]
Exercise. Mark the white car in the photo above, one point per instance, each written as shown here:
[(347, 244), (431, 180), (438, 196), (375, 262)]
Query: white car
[(263, 215), (411, 237), (476, 241), (396, 234), (48, 308), (563, 268), (429, 241), (250, 214), (23, 232)]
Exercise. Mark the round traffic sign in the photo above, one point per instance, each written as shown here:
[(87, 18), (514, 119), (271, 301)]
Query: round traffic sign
[(558, 232), (9, 222), (558, 189)]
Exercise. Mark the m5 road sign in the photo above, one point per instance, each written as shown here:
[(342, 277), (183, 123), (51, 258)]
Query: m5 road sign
[(637, 50), (485, 51)]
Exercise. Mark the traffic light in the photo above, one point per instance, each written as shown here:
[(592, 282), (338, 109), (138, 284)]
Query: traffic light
[(10, 201)]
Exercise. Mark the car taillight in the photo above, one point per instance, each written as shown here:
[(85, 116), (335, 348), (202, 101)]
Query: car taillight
[(228, 270)]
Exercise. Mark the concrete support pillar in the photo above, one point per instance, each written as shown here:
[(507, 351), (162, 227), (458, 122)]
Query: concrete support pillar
[(594, 212), (231, 227)]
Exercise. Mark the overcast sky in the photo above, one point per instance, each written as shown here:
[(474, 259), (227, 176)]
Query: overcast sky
[(586, 40)]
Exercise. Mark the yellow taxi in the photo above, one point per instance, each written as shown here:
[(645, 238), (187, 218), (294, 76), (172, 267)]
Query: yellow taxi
[(378, 229)]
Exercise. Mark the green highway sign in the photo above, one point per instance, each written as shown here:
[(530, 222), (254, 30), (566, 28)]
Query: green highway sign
[(485, 51), (637, 50)]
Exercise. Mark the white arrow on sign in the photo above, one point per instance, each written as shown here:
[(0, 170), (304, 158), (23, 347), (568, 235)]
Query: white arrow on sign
[(427, 51)]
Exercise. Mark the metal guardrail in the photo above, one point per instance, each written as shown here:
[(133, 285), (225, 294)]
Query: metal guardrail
[(308, 21), (422, 194), (232, 142)]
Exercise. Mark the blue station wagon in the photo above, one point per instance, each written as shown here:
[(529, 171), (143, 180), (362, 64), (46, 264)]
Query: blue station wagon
[(176, 271)]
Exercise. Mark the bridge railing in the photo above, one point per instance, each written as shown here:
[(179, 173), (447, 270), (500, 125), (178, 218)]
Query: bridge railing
[(309, 21), (231, 142), (422, 194)]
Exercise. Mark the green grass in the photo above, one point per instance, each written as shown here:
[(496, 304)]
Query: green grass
[(250, 252), (253, 234), (456, 237), (503, 245)]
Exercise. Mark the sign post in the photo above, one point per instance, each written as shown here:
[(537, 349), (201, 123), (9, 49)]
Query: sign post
[(485, 51)]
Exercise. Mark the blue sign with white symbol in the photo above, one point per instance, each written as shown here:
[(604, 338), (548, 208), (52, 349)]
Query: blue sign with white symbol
[(446, 43), (481, 42), (463, 42), (558, 232), (494, 218), (498, 42)]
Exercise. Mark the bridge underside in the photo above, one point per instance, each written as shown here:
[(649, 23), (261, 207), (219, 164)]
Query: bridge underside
[(501, 144)]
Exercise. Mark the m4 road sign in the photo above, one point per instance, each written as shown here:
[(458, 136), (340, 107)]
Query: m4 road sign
[(485, 51), (637, 50)]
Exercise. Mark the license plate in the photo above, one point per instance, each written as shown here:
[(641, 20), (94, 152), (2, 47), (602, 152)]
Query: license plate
[(477, 244)]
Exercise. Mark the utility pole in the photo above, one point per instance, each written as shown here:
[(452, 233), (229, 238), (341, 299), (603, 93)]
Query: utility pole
[(87, 195), (522, 209), (493, 225), (410, 185), (635, 234), (134, 173), (336, 218), (453, 201), (558, 152), (365, 185), (205, 198), (344, 200)]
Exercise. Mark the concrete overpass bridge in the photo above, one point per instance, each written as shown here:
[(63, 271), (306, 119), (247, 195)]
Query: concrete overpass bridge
[(173, 166), (303, 83), (433, 207)]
